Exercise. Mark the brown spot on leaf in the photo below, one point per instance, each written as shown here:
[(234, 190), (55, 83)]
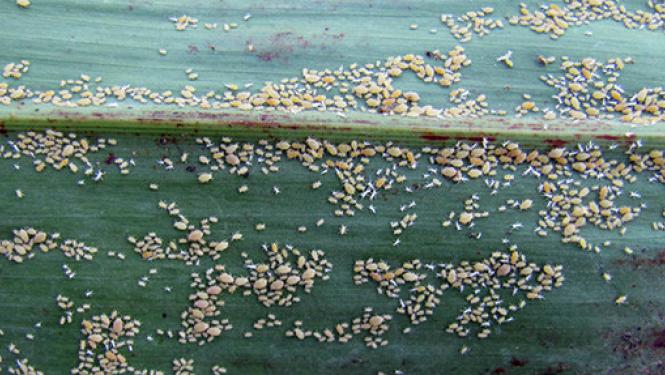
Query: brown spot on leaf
[(560, 368), (659, 341), (516, 362), (637, 262), (110, 159)]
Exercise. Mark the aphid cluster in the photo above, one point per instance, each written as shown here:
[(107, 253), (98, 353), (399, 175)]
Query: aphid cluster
[(472, 22), (16, 70), (526, 107), (571, 205), (24, 241), (559, 167), (28, 239), (190, 247), (184, 22), (183, 366), (105, 338), (590, 89), (485, 280), (77, 250), (466, 218), (372, 326), (270, 321), (200, 322), (67, 306), (23, 366), (61, 151), (364, 88), (276, 280), (554, 20)]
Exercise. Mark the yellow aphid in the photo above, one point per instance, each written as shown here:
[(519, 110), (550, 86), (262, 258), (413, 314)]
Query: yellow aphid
[(526, 204), (529, 105), (204, 178), (620, 300)]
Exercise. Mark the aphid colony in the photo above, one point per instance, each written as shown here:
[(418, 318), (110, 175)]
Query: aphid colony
[(28, 239), (22, 366), (183, 366), (274, 281), (472, 22), (188, 248), (366, 88), (466, 218), (185, 22), (105, 338), (371, 325), (570, 204), (490, 283), (67, 306), (61, 151), (589, 89), (554, 20), (16, 70)]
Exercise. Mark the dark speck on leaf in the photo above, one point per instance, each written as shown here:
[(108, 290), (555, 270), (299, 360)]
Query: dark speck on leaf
[(110, 159)]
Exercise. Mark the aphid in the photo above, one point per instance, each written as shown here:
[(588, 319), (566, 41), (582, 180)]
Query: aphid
[(342, 230), (19, 194), (628, 250), (243, 189), (88, 293), (607, 277), (396, 243), (98, 176), (620, 300), (153, 187), (275, 189), (505, 59), (204, 178)]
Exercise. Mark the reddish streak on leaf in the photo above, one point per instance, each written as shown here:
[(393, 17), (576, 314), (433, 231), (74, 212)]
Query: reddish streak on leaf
[(658, 260), (555, 142), (659, 342), (516, 362), (110, 159)]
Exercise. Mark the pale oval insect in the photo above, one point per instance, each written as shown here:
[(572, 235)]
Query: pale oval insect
[(205, 177)]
